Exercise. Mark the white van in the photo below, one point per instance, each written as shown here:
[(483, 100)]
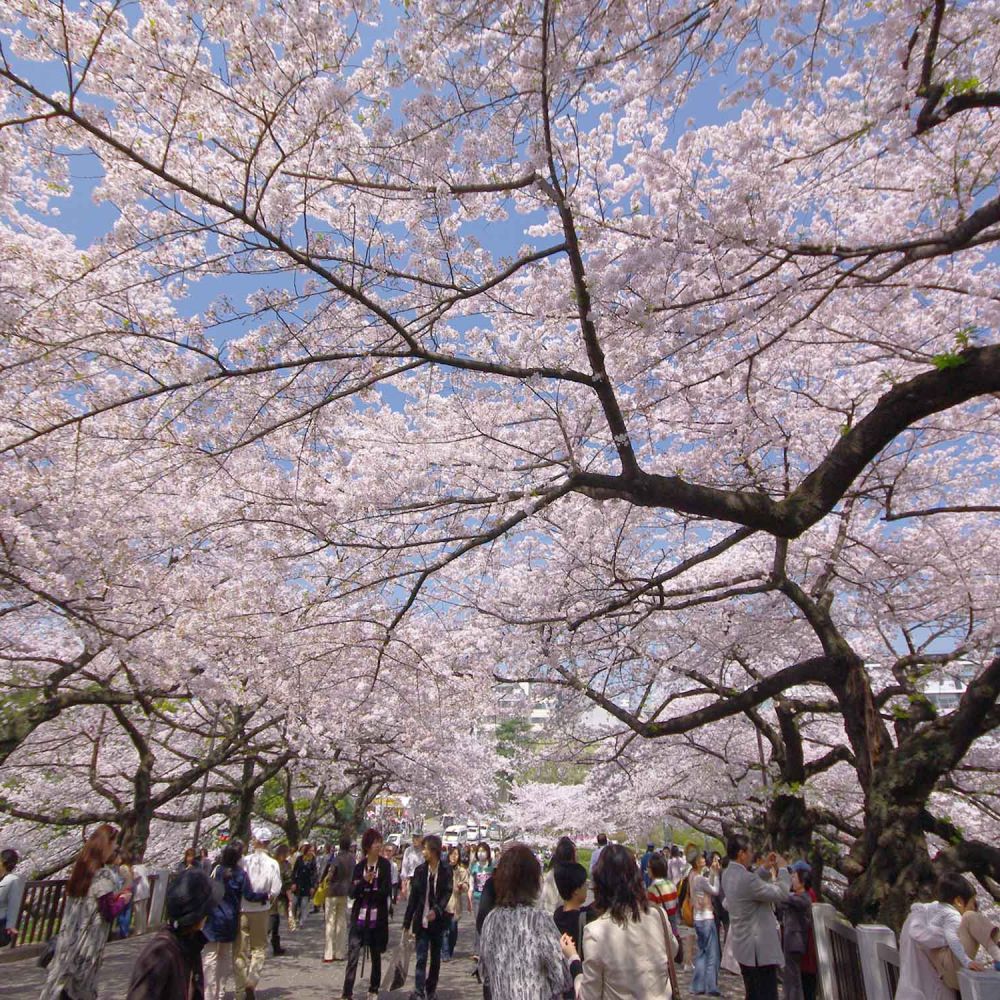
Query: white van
[(454, 836)]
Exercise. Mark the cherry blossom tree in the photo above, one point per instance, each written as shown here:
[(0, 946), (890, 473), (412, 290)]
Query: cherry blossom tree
[(517, 373)]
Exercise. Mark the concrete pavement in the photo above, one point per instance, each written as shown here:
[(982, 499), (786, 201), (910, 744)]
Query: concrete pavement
[(299, 974)]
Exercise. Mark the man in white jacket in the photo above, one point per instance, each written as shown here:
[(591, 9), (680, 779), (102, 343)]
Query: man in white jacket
[(251, 941)]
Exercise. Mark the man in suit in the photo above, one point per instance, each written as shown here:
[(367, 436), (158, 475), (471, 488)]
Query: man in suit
[(753, 928)]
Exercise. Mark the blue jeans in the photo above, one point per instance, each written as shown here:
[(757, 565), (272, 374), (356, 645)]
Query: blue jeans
[(450, 939), (428, 940), (706, 962)]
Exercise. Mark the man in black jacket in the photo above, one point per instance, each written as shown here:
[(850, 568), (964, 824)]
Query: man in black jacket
[(427, 915)]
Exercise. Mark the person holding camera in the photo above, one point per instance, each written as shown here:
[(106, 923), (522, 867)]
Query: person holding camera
[(753, 929)]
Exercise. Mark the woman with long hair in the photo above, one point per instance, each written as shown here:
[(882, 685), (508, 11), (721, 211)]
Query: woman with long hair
[(189, 861), (628, 948), (521, 956), (224, 920), (704, 886), (92, 903), (459, 900)]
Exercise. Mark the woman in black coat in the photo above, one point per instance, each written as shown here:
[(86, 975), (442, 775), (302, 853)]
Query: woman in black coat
[(371, 887)]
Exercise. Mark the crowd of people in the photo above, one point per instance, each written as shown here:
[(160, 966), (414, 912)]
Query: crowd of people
[(618, 930)]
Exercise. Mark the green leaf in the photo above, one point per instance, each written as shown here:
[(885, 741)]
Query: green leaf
[(961, 85), (947, 359)]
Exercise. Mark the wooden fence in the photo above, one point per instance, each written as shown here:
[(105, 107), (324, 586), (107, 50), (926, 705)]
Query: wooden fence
[(41, 911), (43, 903)]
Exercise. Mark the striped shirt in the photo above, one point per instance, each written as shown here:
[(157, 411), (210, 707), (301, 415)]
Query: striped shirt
[(663, 893)]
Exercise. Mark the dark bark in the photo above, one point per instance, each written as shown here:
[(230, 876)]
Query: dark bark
[(976, 373), (242, 807), (20, 723), (960, 854), (137, 818), (889, 864), (291, 824), (136, 822)]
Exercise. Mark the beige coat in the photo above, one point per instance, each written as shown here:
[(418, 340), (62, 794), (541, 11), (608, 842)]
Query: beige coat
[(627, 963)]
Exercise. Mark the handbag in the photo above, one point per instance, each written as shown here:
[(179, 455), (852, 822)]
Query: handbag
[(47, 954), (671, 967), (401, 962), (686, 903), (319, 896)]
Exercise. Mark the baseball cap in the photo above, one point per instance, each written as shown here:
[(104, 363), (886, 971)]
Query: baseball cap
[(801, 866), (262, 833), (191, 896)]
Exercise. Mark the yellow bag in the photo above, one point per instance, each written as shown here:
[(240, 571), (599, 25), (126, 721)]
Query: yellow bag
[(687, 905), (319, 896)]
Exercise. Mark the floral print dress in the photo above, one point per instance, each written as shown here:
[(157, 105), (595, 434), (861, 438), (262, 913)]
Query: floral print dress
[(80, 945)]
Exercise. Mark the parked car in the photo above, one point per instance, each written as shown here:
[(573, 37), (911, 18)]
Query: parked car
[(454, 836)]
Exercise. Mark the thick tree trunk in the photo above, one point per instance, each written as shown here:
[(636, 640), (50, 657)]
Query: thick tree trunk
[(292, 828), (135, 828), (890, 865), (894, 865), (136, 821), (243, 801), (789, 826)]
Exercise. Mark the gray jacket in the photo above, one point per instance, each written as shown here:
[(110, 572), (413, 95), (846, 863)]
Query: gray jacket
[(339, 871), (753, 927), (796, 916)]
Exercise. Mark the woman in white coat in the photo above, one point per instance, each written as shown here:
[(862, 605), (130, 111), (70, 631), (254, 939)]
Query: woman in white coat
[(628, 949)]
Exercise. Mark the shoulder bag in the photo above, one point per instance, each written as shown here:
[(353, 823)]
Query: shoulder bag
[(672, 968)]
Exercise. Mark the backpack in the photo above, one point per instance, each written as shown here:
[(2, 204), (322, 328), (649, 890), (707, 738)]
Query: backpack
[(685, 905)]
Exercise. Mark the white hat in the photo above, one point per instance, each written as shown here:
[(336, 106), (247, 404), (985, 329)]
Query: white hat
[(262, 834)]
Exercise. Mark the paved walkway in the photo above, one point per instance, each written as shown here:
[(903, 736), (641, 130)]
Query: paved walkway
[(297, 975)]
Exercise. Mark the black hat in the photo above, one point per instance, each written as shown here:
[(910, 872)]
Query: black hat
[(191, 896)]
